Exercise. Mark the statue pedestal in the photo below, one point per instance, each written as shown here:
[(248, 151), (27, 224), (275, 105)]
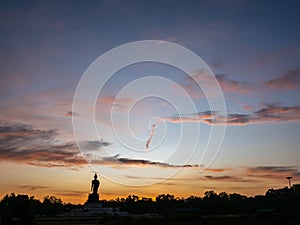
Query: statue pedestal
[(94, 207), (93, 198)]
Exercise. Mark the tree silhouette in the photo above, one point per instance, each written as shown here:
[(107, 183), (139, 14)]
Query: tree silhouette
[(18, 207), (52, 206), (285, 201)]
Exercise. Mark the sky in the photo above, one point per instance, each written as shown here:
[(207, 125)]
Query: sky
[(152, 127)]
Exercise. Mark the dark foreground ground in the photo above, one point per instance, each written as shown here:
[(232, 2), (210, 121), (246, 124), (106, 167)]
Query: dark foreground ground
[(177, 220)]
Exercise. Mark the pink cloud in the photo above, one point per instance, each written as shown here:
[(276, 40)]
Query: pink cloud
[(227, 85), (289, 80), (233, 86), (278, 56), (269, 113), (70, 113), (247, 107), (272, 172), (23, 144), (116, 102)]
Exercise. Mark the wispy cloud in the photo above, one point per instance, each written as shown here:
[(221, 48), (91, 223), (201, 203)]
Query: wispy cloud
[(278, 57), (32, 187), (228, 85), (24, 144), (234, 175), (71, 193), (94, 145), (70, 113), (119, 161), (288, 80), (149, 140), (116, 102), (232, 86), (227, 178), (269, 113), (217, 170), (273, 172)]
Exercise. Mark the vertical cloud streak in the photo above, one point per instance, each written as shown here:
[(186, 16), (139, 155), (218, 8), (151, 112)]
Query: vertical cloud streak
[(152, 132)]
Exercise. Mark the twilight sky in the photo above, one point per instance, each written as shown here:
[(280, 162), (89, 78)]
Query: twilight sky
[(148, 140)]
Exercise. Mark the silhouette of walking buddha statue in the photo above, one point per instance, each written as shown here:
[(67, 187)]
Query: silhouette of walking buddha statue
[(94, 197)]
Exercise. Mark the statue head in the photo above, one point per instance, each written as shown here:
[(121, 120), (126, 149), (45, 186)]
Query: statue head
[(95, 176)]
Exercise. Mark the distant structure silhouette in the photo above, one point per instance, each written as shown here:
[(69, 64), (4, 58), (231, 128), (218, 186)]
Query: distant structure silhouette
[(95, 184), (289, 179), (94, 197), (93, 206)]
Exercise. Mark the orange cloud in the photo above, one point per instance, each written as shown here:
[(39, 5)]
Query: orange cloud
[(32, 187), (119, 102), (217, 170), (70, 113)]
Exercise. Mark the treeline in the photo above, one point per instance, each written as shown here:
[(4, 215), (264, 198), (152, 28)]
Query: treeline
[(23, 208), (281, 201)]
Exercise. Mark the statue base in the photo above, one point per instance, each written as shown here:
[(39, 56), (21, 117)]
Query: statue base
[(93, 198)]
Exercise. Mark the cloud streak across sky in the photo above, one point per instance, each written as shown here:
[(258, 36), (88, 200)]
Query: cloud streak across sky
[(24, 144), (149, 140), (268, 113), (273, 172), (117, 160), (289, 80)]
